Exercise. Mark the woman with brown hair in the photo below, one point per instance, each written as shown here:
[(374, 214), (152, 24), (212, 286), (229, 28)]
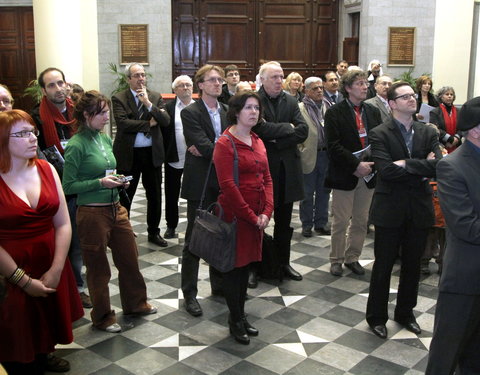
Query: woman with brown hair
[(423, 87), (42, 300), (101, 220)]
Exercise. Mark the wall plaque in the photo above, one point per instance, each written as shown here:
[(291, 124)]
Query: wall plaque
[(401, 46), (133, 44)]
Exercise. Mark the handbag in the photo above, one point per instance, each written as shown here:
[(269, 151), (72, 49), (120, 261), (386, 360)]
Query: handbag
[(213, 239)]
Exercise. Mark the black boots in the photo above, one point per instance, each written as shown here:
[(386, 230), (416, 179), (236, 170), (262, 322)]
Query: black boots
[(239, 333), (251, 330)]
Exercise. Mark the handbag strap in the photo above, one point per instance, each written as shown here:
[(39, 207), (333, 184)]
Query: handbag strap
[(235, 170)]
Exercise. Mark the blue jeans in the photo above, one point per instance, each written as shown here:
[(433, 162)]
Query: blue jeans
[(314, 208), (75, 251)]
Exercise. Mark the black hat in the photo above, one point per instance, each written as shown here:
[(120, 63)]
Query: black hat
[(469, 115)]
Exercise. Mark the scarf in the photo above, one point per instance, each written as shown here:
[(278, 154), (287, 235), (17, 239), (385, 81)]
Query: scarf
[(450, 121), (50, 115), (316, 115)]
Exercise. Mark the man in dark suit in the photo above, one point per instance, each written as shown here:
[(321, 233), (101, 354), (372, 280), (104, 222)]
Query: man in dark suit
[(203, 123), (331, 85), (281, 112), (347, 128), (138, 147), (456, 335), (405, 155), (175, 149)]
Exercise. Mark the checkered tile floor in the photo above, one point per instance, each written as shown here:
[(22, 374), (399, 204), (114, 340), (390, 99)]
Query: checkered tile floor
[(315, 326)]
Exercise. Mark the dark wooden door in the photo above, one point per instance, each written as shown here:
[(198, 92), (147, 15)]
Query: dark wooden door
[(17, 52), (301, 35)]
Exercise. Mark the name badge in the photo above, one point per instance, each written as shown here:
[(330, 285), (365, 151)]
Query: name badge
[(110, 172), (64, 143)]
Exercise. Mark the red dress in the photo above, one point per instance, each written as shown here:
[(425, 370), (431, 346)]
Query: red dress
[(254, 197), (32, 325)]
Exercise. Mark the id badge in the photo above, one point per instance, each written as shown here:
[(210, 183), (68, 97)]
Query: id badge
[(110, 172), (64, 143), (362, 133)]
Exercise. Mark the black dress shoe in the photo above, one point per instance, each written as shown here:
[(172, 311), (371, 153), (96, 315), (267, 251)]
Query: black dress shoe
[(193, 307), (380, 330), (157, 240), (251, 330), (323, 231), (252, 280), (307, 232), (169, 233), (411, 326), (336, 269), (238, 331), (289, 272), (56, 364), (356, 268)]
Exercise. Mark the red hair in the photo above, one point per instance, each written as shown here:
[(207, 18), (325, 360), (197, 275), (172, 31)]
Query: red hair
[(7, 120)]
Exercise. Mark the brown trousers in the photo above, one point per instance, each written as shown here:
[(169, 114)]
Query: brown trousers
[(99, 227)]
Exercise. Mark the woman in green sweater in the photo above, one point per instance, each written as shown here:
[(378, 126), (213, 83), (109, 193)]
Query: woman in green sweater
[(102, 221)]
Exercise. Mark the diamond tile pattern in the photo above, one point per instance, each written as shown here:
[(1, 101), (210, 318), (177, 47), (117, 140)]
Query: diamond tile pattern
[(315, 326)]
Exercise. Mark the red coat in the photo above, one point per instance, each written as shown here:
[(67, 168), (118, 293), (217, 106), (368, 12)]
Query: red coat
[(253, 198)]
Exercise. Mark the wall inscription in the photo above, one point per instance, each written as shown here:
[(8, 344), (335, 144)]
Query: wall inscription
[(133, 44), (401, 46)]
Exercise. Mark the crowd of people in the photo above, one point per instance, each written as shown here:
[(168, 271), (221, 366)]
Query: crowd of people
[(353, 146)]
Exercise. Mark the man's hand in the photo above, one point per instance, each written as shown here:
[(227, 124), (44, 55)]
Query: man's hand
[(193, 150), (400, 163), (142, 95), (363, 169), (431, 156), (153, 122)]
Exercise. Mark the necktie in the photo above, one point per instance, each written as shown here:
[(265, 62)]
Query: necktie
[(334, 98), (360, 127), (140, 113)]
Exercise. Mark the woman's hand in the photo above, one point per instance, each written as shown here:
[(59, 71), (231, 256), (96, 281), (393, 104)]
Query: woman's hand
[(262, 221), (37, 288), (111, 182), (51, 278)]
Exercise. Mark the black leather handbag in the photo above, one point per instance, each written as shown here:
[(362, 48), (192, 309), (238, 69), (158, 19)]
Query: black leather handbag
[(213, 239)]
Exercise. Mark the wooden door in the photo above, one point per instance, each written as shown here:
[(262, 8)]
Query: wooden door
[(17, 52), (300, 34)]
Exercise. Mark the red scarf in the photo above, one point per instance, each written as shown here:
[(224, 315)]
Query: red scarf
[(49, 114), (450, 122)]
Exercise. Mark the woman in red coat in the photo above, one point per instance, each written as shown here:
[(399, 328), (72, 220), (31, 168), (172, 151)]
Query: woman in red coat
[(251, 203)]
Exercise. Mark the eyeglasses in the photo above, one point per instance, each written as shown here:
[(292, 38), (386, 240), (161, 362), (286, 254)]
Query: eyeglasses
[(6, 101), (361, 83), (139, 75), (406, 97), (214, 80), (233, 74), (184, 85), (25, 133)]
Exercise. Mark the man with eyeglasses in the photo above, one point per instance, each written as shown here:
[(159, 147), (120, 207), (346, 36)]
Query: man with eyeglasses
[(203, 122), (350, 171), (314, 207), (6, 99), (138, 147), (405, 153), (175, 148), (380, 101), (232, 77)]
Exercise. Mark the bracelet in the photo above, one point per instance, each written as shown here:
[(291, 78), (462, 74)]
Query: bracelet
[(27, 284), (16, 276)]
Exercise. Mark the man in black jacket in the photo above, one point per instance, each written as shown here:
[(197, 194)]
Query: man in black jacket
[(405, 155), (347, 128), (138, 147), (281, 110), (175, 149)]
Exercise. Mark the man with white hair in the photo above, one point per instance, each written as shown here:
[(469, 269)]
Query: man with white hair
[(175, 148), (282, 110), (314, 160)]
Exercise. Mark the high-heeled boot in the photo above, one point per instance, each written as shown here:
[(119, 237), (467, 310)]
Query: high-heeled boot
[(251, 330), (237, 330)]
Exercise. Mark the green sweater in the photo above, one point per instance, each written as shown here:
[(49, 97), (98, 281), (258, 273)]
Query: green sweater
[(87, 156)]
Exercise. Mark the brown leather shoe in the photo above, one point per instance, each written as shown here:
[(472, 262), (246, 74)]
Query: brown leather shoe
[(86, 301)]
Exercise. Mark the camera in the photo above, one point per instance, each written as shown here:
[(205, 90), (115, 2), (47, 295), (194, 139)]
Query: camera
[(124, 179)]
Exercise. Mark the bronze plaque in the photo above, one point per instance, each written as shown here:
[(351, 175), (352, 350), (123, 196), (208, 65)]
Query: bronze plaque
[(133, 44), (401, 46)]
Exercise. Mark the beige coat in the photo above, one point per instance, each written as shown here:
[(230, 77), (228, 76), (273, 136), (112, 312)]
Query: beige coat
[(308, 149)]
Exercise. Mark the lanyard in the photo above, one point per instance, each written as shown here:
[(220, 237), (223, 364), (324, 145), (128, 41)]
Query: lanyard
[(101, 147)]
